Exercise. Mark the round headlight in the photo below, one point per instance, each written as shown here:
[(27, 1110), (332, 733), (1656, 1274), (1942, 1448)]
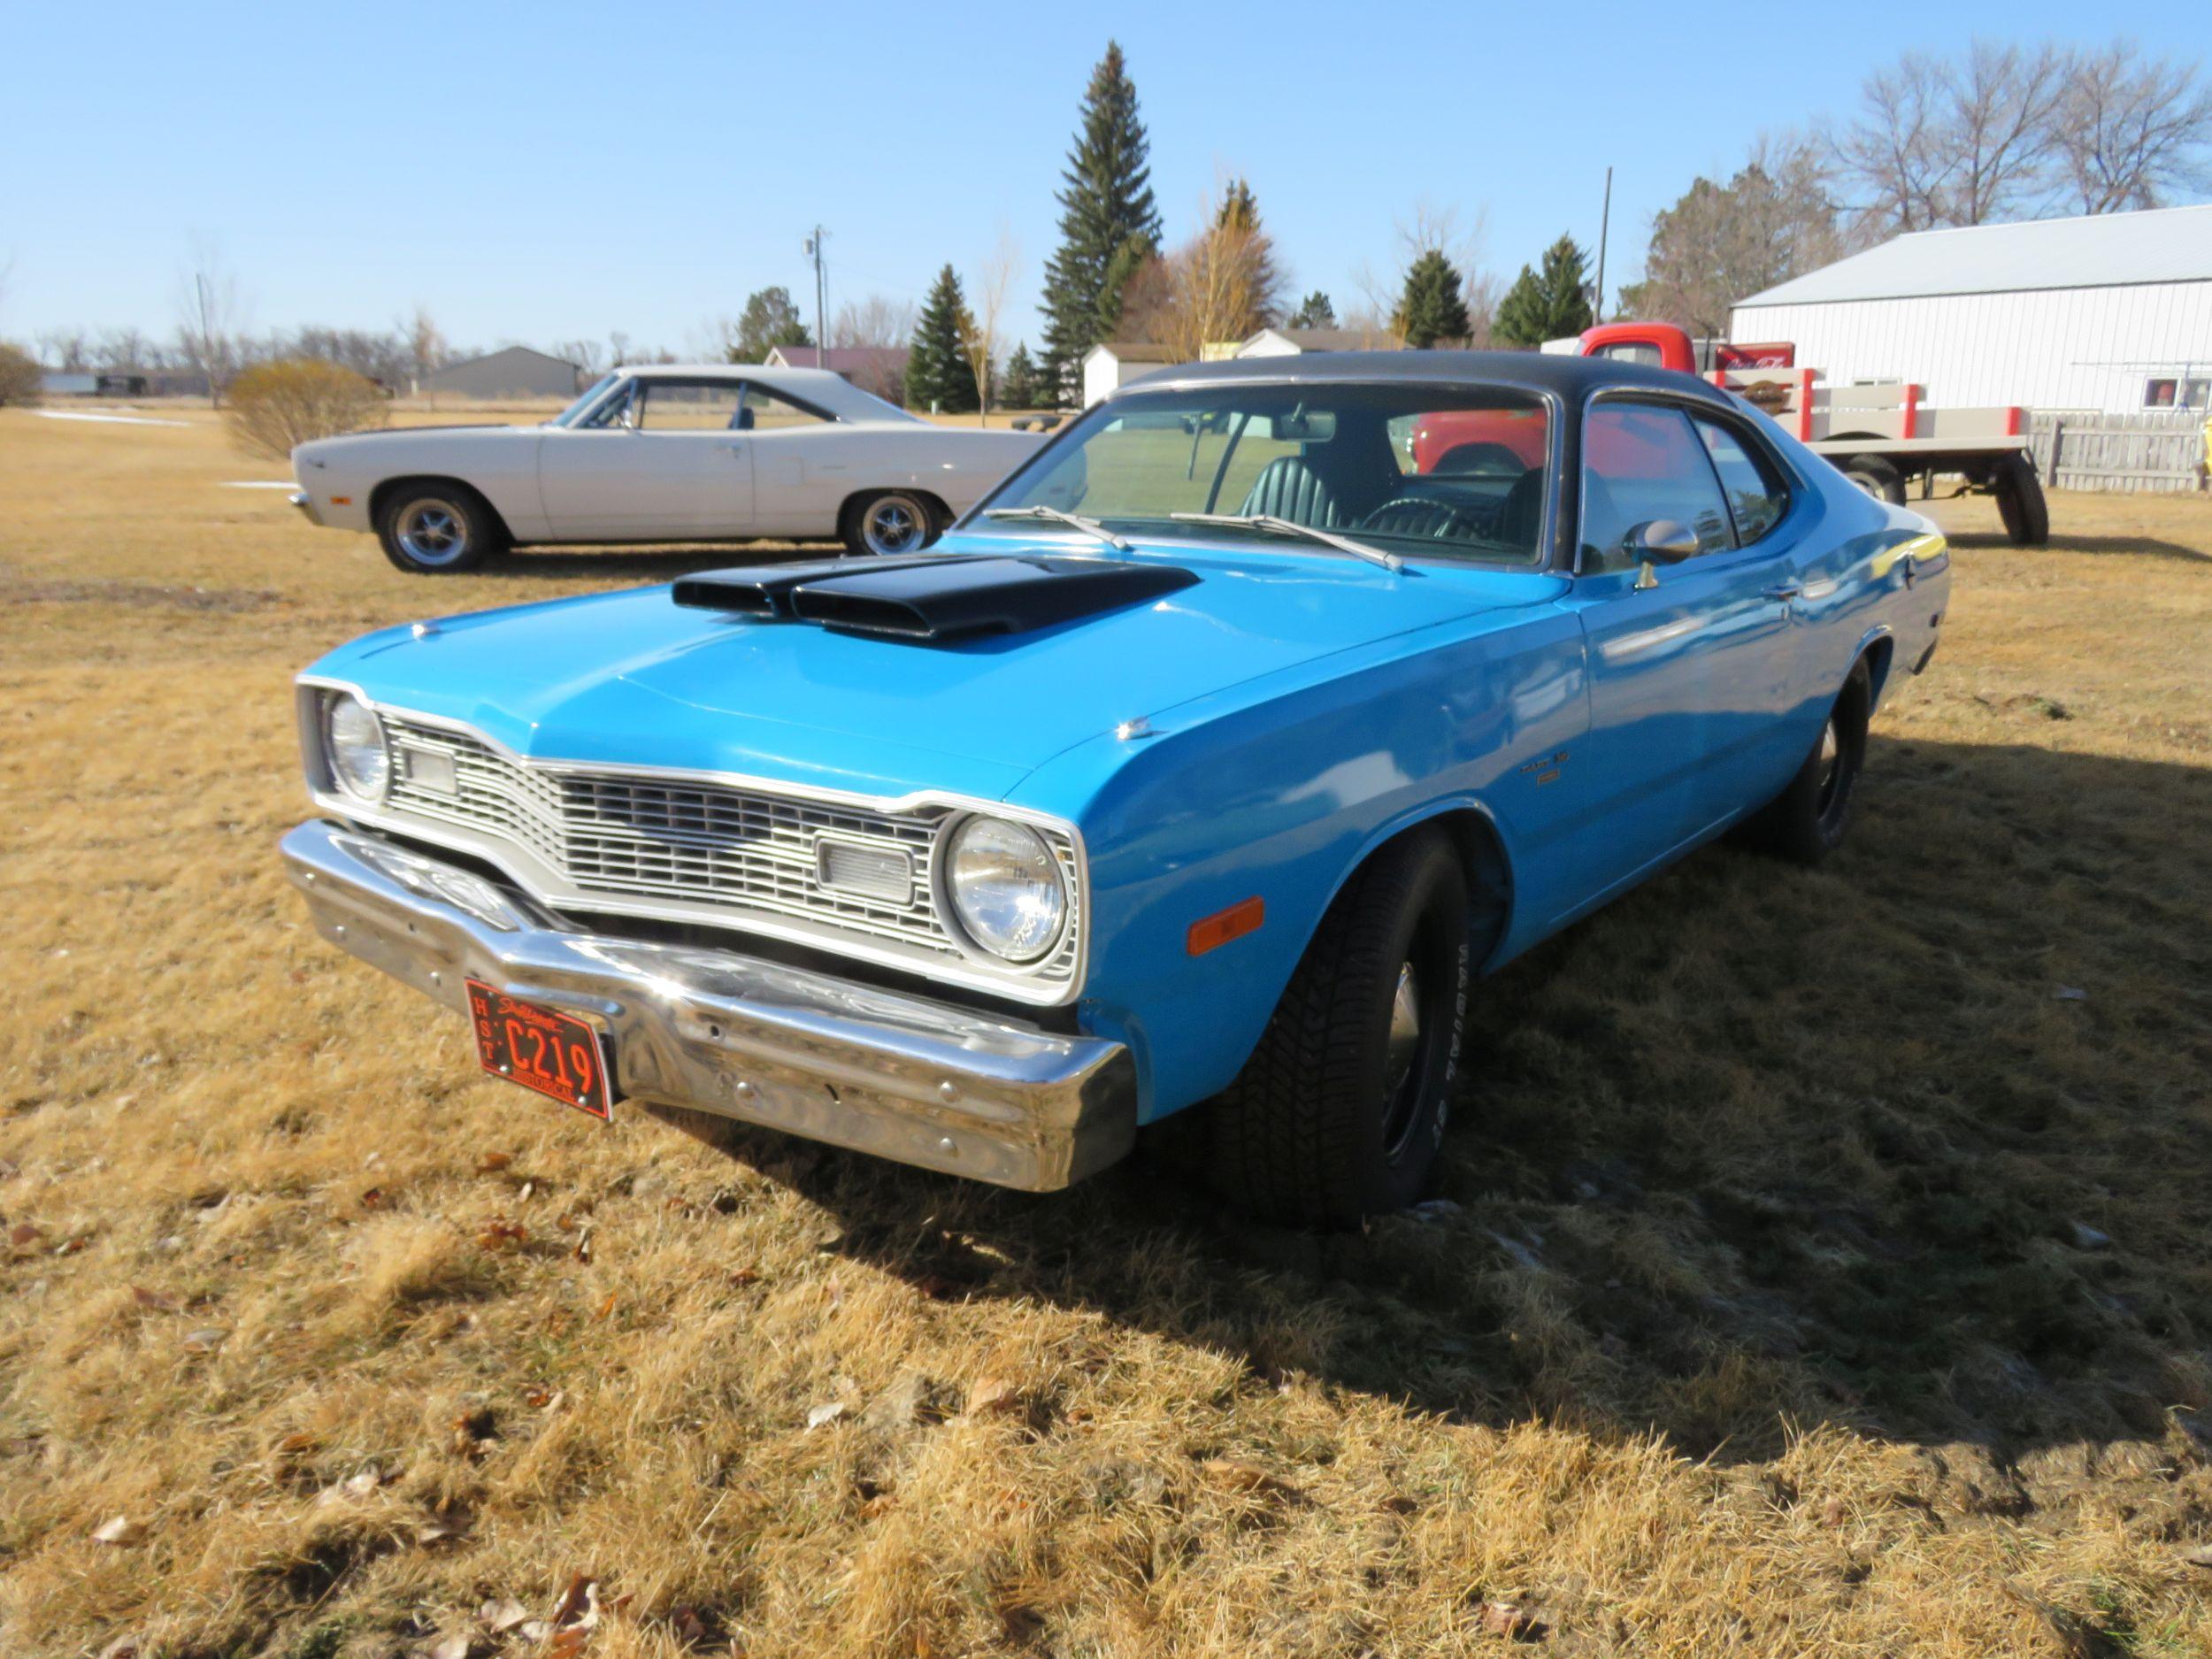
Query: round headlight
[(353, 738), (1005, 887)]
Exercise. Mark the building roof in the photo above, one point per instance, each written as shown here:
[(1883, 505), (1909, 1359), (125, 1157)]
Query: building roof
[(506, 352), (846, 360), (2171, 244), (1132, 351), (1333, 339)]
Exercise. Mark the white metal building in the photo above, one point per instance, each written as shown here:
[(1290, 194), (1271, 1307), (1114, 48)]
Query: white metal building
[(2110, 313)]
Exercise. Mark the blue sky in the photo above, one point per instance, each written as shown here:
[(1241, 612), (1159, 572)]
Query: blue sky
[(545, 172)]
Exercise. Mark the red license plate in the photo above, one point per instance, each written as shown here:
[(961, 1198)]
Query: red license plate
[(542, 1049)]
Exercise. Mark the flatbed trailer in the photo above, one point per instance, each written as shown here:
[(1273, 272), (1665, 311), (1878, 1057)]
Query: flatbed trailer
[(1880, 435)]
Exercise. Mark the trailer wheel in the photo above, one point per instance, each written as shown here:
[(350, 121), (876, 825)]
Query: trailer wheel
[(1877, 477), (2020, 502)]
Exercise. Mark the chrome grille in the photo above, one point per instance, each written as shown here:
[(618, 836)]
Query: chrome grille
[(746, 852)]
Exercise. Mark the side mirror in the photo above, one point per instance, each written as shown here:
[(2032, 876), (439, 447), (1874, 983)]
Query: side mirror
[(1659, 541), (1662, 542)]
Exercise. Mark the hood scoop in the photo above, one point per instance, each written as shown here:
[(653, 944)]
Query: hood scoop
[(924, 596)]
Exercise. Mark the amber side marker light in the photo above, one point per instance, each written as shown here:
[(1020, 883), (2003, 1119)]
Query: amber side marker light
[(341, 501), (1211, 932)]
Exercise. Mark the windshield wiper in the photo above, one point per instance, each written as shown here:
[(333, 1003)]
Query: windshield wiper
[(1269, 522), (1074, 520)]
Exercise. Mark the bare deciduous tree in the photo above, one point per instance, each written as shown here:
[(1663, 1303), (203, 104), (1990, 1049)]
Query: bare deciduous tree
[(425, 346), (65, 349), (986, 303), (122, 350), (878, 320), (2133, 131), (209, 311)]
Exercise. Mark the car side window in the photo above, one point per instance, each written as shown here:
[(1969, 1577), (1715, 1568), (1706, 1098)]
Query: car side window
[(1757, 498), (771, 411), (688, 405), (1642, 463)]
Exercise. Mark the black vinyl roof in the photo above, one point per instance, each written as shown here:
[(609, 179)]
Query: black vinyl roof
[(1569, 377)]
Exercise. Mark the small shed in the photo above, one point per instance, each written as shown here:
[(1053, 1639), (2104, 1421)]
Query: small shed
[(515, 372), (1114, 362)]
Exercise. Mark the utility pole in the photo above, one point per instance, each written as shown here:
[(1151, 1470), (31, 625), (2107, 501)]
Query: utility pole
[(821, 294), (1605, 224)]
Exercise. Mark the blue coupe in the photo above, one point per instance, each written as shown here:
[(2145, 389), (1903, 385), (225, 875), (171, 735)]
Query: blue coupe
[(1203, 767)]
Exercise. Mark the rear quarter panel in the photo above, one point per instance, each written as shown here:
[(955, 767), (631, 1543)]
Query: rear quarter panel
[(500, 463)]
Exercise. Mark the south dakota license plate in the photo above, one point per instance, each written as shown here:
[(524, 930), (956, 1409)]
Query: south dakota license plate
[(542, 1049)]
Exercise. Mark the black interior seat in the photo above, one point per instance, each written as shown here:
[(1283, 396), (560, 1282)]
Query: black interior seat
[(1289, 489), (1413, 516), (1521, 520)]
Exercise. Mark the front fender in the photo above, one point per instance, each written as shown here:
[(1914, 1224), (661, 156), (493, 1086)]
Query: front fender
[(1278, 793)]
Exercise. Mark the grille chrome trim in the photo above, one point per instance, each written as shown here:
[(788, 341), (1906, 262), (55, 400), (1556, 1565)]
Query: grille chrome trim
[(717, 849)]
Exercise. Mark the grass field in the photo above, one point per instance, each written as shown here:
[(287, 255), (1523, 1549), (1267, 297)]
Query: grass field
[(1827, 1267)]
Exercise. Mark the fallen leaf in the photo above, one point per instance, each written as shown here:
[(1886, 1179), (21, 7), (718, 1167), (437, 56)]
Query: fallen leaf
[(568, 1643), (907, 1403), (154, 1300), (1831, 1512), (535, 1630), (123, 1648), (493, 1162), (693, 1628), (501, 1616), (502, 1234), (23, 1235), (373, 1199), (881, 1504), (579, 1606), (441, 1532), (607, 1307), (204, 1338), (990, 1395), (121, 1531), (1505, 1619), (582, 1252), (2199, 1557), (827, 1412), (474, 1432), (458, 1646), (743, 1277), (8, 1170)]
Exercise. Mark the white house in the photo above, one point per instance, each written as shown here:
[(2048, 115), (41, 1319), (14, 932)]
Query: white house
[(2108, 313), (1114, 362)]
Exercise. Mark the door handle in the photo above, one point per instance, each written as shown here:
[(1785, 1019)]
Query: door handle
[(1785, 590), (736, 447)]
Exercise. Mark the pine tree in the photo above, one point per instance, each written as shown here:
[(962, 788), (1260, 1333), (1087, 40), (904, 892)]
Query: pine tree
[(1017, 385), (1314, 312), (939, 376), (1263, 278), (1106, 202), (1431, 309), (770, 319), (1548, 304)]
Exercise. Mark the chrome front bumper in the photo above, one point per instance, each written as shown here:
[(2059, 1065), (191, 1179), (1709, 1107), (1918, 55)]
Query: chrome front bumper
[(924, 1082), (305, 503)]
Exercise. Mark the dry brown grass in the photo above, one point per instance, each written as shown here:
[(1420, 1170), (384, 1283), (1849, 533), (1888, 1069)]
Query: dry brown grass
[(1764, 1324)]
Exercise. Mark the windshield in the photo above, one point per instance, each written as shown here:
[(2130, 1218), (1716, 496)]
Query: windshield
[(1422, 472), (568, 416)]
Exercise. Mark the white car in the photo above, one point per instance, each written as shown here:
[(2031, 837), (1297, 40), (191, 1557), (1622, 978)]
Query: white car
[(661, 453)]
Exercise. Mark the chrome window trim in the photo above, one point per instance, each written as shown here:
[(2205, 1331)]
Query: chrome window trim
[(983, 972)]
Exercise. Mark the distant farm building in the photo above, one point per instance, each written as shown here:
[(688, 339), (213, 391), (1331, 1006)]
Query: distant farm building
[(68, 383), (2110, 313), (877, 369), (516, 372)]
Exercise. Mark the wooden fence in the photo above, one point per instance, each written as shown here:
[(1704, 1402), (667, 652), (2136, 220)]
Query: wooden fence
[(2121, 453)]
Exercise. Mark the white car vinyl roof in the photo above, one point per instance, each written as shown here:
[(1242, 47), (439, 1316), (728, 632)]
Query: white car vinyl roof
[(823, 387)]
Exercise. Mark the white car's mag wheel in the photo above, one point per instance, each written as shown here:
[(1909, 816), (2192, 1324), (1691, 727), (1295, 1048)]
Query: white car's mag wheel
[(892, 522), (1340, 1109), (434, 529)]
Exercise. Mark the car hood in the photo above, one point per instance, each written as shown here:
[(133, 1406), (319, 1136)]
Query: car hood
[(636, 679)]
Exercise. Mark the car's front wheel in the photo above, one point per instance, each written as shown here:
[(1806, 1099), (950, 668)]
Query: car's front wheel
[(437, 529), (890, 521), (1340, 1109)]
